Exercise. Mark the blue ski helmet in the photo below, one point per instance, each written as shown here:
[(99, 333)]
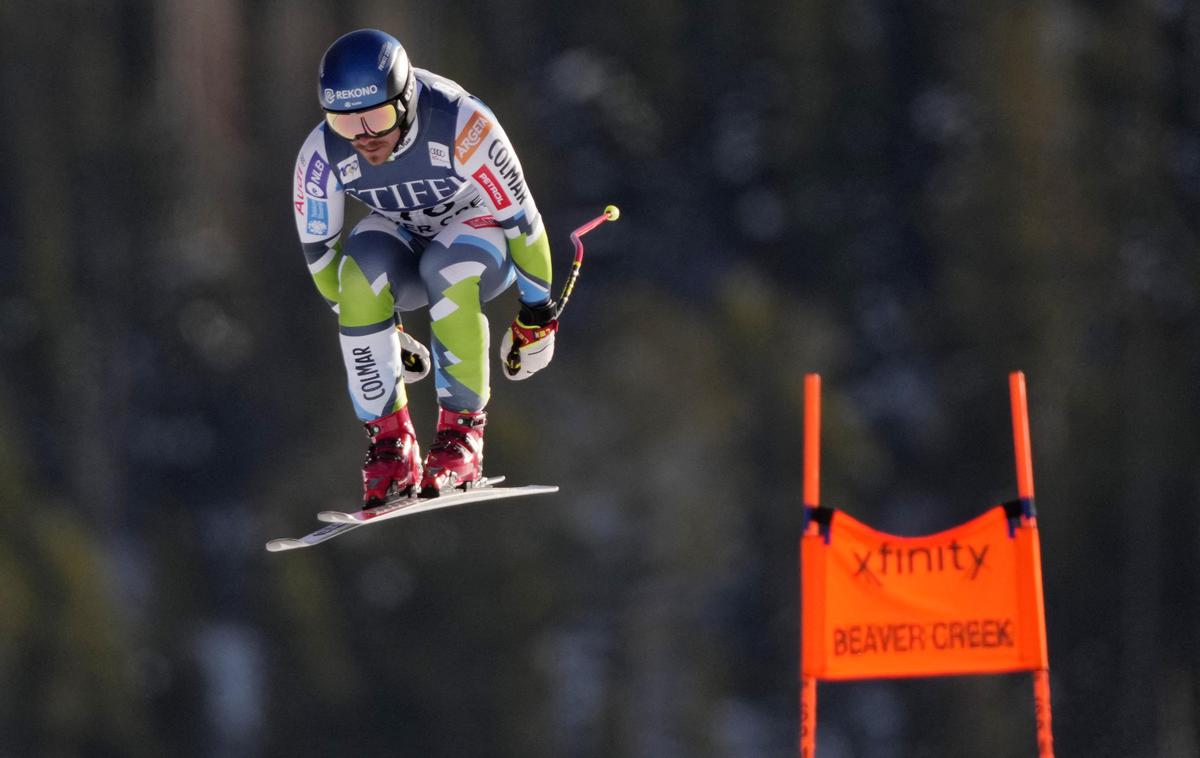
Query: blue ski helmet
[(366, 68)]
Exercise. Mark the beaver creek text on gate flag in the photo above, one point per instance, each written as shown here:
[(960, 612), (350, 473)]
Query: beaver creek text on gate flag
[(963, 601)]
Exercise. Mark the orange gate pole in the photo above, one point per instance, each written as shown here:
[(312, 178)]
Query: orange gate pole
[(1024, 460), (812, 497)]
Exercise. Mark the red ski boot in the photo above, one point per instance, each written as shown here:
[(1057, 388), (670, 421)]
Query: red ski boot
[(393, 465), (456, 456)]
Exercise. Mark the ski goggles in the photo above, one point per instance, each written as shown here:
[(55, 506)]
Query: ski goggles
[(373, 122)]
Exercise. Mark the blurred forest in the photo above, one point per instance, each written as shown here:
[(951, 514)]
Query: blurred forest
[(911, 198)]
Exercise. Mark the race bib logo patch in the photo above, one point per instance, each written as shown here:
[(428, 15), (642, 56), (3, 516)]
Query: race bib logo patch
[(482, 222), (471, 137), (439, 154), (318, 217), (492, 187), (348, 169)]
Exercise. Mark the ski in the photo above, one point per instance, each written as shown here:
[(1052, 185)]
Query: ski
[(485, 490), (327, 532), (340, 522)]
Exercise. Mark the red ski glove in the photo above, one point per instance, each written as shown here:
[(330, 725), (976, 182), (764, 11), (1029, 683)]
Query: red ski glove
[(528, 345)]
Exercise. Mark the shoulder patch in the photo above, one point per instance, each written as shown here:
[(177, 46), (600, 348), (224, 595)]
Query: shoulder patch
[(471, 137), (318, 172)]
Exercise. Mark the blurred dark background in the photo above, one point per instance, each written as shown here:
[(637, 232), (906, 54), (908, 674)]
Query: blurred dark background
[(911, 198)]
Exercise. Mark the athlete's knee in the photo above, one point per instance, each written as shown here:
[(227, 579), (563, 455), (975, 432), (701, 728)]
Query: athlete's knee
[(359, 303), (378, 250), (433, 260), (373, 252), (444, 268)]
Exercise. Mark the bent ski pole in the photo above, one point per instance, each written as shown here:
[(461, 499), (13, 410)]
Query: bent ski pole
[(611, 213), (512, 361)]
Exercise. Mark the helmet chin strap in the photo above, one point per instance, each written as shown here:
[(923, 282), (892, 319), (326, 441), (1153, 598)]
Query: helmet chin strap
[(409, 124), (405, 142)]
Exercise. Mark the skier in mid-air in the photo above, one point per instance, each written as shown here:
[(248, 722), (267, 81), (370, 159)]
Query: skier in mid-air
[(452, 224)]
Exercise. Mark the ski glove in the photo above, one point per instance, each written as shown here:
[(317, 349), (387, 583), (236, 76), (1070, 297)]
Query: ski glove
[(528, 345), (414, 358)]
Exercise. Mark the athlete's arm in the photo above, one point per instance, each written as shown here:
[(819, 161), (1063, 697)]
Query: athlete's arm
[(484, 155), (318, 206)]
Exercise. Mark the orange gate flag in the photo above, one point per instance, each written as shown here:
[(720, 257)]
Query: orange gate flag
[(964, 601)]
